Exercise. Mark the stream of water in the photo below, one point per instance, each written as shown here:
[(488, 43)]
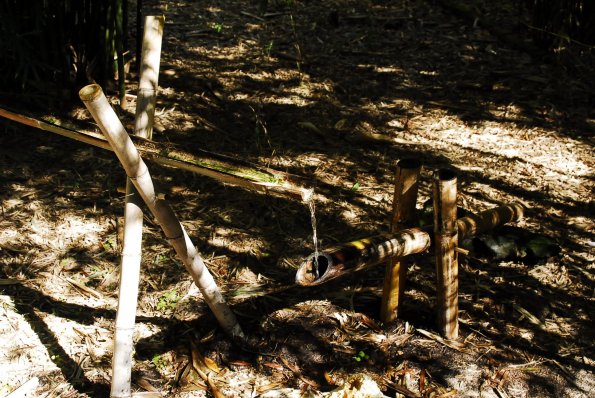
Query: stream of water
[(314, 236)]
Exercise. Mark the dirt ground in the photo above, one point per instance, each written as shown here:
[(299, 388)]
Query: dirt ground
[(338, 92)]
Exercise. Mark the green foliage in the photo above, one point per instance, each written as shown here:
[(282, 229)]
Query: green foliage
[(111, 243), (218, 27), (361, 356), (269, 48), (168, 300), (159, 361)]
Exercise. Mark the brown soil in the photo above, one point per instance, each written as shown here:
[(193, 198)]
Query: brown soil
[(335, 91)]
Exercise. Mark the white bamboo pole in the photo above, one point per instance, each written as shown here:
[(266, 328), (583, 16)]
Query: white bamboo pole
[(133, 216), (136, 169)]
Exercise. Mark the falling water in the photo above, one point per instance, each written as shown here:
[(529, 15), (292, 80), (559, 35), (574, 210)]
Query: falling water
[(310, 202)]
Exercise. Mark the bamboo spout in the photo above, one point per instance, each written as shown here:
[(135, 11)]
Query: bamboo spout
[(224, 169), (365, 253)]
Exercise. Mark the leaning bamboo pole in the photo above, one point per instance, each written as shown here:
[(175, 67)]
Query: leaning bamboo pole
[(446, 240), (404, 201), (224, 169), (133, 216), (361, 254), (99, 107)]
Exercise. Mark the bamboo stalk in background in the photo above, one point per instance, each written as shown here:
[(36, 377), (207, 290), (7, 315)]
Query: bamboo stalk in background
[(446, 240), (97, 104), (404, 200), (133, 215), (118, 17), (222, 168)]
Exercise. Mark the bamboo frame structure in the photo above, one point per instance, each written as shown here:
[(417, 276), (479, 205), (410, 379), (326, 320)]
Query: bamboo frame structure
[(364, 253), (222, 168), (136, 169), (133, 216), (404, 201), (446, 240)]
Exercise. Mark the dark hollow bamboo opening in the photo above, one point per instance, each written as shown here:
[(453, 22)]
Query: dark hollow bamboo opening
[(409, 163), (446, 174)]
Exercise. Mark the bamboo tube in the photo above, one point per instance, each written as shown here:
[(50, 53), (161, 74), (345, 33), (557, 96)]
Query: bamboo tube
[(446, 239), (404, 201), (133, 216), (137, 171), (485, 221), (222, 168), (360, 254)]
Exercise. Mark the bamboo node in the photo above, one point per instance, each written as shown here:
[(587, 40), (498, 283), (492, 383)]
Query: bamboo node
[(175, 238), (139, 175)]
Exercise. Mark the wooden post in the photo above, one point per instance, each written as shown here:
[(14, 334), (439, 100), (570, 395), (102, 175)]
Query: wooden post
[(133, 217), (136, 169), (404, 201), (446, 239)]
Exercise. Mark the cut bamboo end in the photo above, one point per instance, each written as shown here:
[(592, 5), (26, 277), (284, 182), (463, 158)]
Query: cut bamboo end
[(90, 93)]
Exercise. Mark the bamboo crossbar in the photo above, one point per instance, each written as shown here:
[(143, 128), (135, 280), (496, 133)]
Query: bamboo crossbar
[(222, 168)]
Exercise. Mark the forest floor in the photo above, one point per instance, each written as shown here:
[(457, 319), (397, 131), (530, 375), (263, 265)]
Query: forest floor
[(337, 92)]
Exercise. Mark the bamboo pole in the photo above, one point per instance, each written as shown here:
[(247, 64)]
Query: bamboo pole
[(137, 171), (133, 216), (360, 254), (118, 16), (222, 168), (446, 239), (404, 201), (364, 253)]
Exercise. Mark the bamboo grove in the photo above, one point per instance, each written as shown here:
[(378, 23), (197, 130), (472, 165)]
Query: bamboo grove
[(50, 48)]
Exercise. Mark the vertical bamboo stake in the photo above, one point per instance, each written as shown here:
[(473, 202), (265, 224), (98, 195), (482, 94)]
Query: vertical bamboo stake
[(446, 239), (149, 76), (404, 200), (133, 217), (137, 171)]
